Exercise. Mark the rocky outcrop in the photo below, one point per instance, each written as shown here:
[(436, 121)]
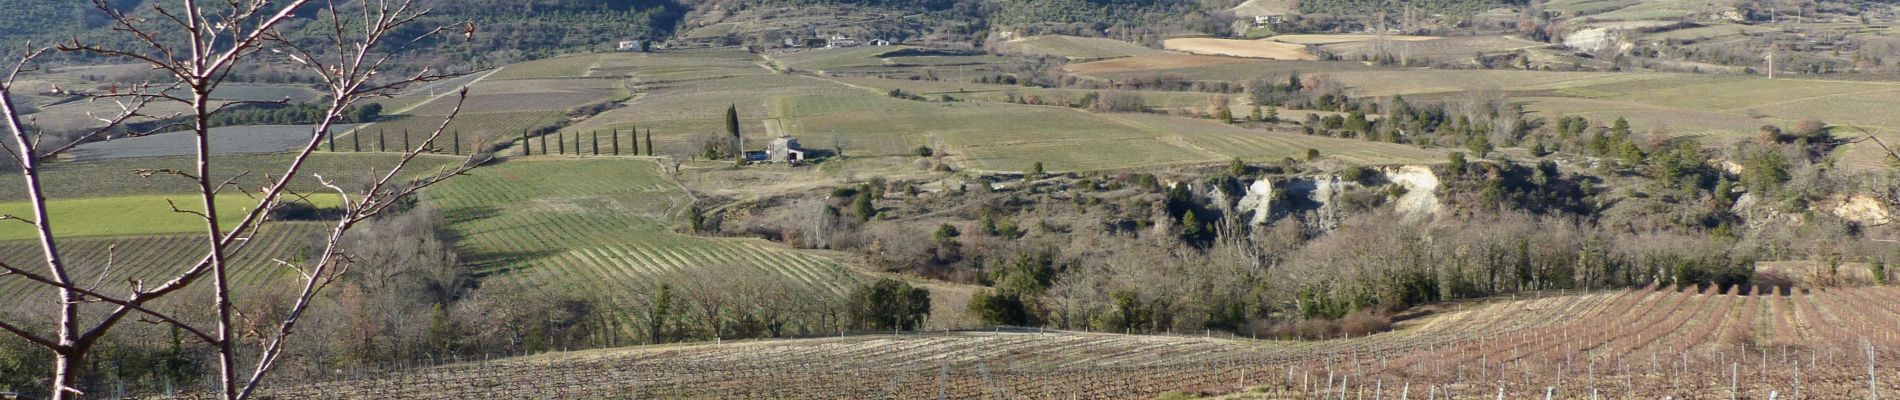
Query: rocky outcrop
[(1267, 200), (1861, 209), (1421, 191)]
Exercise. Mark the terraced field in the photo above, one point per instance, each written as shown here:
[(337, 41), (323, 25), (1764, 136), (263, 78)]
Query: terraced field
[(603, 227), (1626, 344)]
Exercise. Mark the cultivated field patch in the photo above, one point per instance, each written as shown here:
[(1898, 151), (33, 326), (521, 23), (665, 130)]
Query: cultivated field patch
[(118, 177), (1150, 63), (1267, 49), (1326, 39), (1076, 47), (227, 140)]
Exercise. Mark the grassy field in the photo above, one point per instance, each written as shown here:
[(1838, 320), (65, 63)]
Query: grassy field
[(599, 227), (1624, 344), (136, 215)]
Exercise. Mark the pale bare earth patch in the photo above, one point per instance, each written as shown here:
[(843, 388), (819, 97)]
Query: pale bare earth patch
[(1346, 38), (1268, 49)]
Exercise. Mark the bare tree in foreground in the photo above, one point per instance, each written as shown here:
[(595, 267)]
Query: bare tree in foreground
[(196, 49)]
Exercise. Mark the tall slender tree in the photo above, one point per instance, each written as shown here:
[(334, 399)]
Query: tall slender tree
[(635, 140), (649, 142), (595, 135), (382, 138), (560, 141), (732, 127), (526, 148), (616, 141), (189, 54)]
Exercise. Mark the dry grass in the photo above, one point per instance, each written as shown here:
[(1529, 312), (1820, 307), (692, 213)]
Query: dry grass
[(1267, 49)]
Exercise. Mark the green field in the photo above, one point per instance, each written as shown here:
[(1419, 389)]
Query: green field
[(136, 215), (601, 227)]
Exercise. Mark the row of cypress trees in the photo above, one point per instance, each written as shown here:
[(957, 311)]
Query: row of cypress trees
[(382, 142), (560, 142)]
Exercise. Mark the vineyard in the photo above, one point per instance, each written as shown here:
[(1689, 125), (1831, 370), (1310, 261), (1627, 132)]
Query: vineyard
[(156, 256), (600, 227), (1640, 343)]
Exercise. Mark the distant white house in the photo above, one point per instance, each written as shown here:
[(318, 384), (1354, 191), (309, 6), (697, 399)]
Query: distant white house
[(784, 149), (1274, 19), (879, 42), (840, 41), (629, 45)]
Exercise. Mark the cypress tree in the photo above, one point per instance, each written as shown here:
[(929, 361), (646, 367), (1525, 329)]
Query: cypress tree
[(381, 141), (544, 145), (560, 142), (596, 138), (405, 141), (356, 143), (636, 140), (527, 149), (457, 135), (732, 127), (330, 137), (616, 141), (649, 142)]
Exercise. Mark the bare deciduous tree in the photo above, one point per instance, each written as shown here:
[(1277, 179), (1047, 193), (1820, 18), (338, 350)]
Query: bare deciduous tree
[(196, 48)]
